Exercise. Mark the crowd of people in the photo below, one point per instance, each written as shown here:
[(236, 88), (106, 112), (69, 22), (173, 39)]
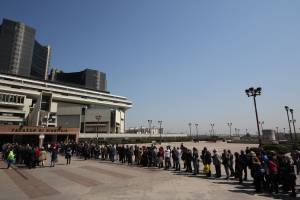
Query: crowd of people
[(271, 172)]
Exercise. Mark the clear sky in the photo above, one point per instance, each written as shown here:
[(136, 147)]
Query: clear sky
[(179, 61)]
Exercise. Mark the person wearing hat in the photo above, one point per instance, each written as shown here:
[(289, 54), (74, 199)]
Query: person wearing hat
[(217, 163), (257, 171)]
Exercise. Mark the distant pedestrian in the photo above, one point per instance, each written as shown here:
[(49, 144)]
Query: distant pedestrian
[(54, 152), (10, 158), (68, 155)]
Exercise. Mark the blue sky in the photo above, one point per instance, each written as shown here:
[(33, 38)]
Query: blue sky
[(179, 61)]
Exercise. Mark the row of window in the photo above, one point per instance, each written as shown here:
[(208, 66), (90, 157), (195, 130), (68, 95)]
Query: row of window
[(7, 98)]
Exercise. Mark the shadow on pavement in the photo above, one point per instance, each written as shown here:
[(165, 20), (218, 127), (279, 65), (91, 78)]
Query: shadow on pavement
[(245, 187)]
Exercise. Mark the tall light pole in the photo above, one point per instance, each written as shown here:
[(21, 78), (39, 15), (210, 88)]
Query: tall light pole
[(277, 130), (212, 128), (253, 92), (293, 120), (190, 125), (261, 125), (98, 118), (160, 122), (196, 129), (288, 116), (229, 124), (149, 122)]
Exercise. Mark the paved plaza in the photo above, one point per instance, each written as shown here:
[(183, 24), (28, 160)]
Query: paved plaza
[(94, 179)]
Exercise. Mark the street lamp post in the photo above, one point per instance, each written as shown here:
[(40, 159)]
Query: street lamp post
[(293, 120), (98, 118), (212, 128), (288, 116), (149, 122), (196, 129), (229, 124), (261, 125), (160, 122), (190, 125), (252, 92)]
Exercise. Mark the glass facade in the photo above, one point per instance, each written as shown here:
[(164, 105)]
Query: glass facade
[(88, 78), (20, 54)]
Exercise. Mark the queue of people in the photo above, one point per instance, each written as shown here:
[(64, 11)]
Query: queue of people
[(270, 171)]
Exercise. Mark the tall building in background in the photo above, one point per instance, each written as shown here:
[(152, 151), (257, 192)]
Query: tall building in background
[(88, 78), (20, 53)]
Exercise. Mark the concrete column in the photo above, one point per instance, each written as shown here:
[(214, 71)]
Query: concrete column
[(41, 140)]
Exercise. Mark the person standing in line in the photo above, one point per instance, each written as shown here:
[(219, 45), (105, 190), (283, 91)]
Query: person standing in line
[(273, 170), (167, 158), (238, 167), (177, 161), (257, 171), (225, 162), (230, 156), (42, 157), (244, 164), (129, 155), (207, 161), (195, 161), (189, 160), (173, 157), (217, 163), (161, 157)]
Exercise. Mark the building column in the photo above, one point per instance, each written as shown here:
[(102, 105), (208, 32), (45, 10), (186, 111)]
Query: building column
[(41, 140)]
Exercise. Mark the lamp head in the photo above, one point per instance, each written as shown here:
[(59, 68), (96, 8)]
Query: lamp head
[(258, 90), (286, 108)]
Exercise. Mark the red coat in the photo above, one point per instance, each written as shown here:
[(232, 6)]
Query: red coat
[(273, 167)]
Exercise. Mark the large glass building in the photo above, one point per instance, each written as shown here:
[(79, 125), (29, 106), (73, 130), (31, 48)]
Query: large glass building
[(88, 78), (20, 53)]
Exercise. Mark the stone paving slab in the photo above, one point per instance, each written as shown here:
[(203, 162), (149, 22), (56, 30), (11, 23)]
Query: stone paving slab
[(30, 185), (107, 172), (82, 180)]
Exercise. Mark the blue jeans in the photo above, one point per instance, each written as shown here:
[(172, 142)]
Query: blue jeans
[(9, 162)]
